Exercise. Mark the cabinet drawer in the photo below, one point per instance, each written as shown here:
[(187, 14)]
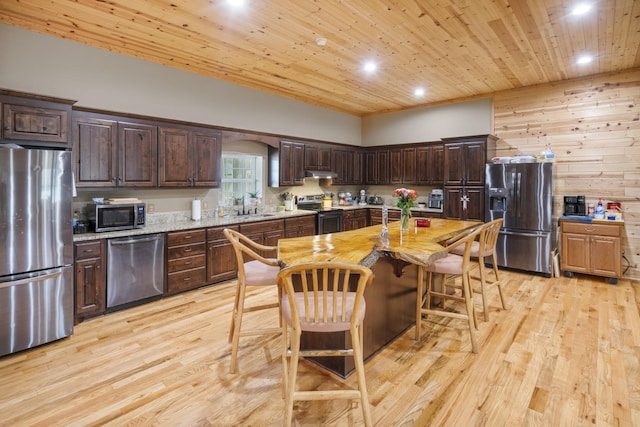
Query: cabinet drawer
[(186, 251), (591, 229), (217, 233), (185, 237), (186, 263), (187, 279), (261, 227), (88, 250)]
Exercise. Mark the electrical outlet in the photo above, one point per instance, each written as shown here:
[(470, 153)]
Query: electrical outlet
[(151, 208), (205, 205)]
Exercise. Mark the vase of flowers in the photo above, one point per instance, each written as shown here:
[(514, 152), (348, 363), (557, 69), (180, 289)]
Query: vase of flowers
[(406, 200)]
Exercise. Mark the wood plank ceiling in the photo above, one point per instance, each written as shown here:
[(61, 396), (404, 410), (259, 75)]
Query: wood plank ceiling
[(454, 49)]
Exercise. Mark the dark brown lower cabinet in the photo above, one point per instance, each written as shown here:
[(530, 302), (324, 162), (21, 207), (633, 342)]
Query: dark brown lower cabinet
[(353, 219), (186, 260), (375, 216), (221, 258), (264, 232), (464, 203), (90, 279), (300, 226)]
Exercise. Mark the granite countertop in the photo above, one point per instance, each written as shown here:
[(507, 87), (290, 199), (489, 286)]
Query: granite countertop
[(162, 223), (175, 221), (417, 209)]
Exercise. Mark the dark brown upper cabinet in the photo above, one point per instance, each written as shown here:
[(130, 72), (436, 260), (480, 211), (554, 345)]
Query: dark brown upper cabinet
[(430, 164), (189, 158), (35, 120), (317, 156), (114, 154), (286, 164)]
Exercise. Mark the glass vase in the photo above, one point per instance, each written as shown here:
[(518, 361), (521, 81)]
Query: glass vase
[(405, 215)]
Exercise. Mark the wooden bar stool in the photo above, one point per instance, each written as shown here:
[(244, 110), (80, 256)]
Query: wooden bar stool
[(451, 265), (482, 248), (253, 270), (323, 297)]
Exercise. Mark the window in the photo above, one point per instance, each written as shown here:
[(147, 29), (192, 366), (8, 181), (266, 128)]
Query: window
[(241, 176)]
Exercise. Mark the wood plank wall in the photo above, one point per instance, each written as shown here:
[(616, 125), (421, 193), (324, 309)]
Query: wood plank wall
[(593, 126)]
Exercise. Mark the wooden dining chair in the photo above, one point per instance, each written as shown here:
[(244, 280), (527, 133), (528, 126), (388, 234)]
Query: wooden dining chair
[(451, 266), (323, 298), (253, 270), (482, 248)]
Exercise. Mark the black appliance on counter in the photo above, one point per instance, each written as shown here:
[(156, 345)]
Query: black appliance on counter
[(36, 254), (574, 205), (327, 220), (521, 194), (435, 199)]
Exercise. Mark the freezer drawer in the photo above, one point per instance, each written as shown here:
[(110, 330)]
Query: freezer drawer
[(528, 251), (35, 308)]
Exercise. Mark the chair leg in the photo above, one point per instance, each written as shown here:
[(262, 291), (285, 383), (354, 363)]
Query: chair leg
[(483, 273), (356, 338), (291, 381), (235, 312), (466, 286), (237, 324), (419, 302), (285, 366), (495, 272)]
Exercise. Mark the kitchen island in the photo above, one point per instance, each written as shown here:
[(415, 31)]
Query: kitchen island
[(391, 298)]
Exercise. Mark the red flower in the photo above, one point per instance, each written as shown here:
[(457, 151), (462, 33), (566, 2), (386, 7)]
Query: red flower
[(406, 197)]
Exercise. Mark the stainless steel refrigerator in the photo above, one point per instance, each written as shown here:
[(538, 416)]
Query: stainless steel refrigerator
[(36, 247), (522, 194)]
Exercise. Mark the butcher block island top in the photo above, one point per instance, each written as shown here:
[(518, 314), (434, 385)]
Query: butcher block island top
[(391, 297), (419, 245)]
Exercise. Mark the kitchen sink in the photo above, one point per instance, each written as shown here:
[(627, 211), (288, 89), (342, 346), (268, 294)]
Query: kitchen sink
[(264, 215)]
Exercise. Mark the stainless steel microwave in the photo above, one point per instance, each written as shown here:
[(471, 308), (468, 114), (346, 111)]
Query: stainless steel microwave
[(104, 217)]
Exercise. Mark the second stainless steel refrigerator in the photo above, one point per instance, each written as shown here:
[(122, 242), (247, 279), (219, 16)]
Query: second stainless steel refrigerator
[(522, 194)]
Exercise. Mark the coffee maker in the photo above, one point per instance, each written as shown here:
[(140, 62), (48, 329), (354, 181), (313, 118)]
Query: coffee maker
[(574, 205), (435, 199)]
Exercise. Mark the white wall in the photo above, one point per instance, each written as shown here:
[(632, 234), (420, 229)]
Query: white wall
[(429, 124), (46, 65)]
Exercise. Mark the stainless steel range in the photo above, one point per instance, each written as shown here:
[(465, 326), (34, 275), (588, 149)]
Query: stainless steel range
[(327, 220)]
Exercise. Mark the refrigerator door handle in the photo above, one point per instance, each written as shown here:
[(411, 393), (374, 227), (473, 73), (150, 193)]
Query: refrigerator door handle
[(40, 278), (518, 193)]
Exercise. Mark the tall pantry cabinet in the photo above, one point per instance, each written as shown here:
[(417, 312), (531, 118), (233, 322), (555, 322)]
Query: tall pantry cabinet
[(464, 170)]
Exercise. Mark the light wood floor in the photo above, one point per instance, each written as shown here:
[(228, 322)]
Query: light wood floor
[(566, 352)]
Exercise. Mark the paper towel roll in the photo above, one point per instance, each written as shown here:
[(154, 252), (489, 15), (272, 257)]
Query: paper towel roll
[(195, 210)]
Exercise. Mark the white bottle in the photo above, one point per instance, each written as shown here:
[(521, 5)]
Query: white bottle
[(599, 214)]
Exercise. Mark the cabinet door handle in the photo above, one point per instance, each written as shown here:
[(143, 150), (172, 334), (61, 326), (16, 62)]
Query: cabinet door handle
[(187, 249), (589, 230), (187, 263), (186, 279)]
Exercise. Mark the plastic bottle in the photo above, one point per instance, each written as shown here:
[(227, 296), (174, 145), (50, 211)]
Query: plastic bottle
[(75, 219), (599, 214)]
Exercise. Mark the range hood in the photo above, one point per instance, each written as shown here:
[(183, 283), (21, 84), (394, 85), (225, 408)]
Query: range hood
[(320, 174)]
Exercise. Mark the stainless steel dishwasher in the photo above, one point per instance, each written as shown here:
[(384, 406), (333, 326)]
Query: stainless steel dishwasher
[(135, 269)]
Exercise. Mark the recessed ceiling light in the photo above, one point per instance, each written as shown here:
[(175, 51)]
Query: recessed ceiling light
[(584, 59), (370, 67), (321, 41), (236, 3), (581, 9), (419, 92)]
